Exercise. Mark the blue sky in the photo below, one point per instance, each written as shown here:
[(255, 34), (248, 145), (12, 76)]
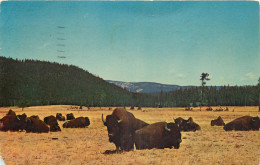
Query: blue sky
[(164, 42)]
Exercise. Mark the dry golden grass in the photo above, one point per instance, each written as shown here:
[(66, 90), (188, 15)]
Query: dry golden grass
[(211, 145)]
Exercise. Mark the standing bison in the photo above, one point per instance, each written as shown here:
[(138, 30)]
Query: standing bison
[(80, 122), (121, 126), (218, 122), (187, 125), (158, 135), (245, 123)]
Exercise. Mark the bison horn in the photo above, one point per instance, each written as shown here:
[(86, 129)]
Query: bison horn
[(119, 121), (103, 119), (166, 128)]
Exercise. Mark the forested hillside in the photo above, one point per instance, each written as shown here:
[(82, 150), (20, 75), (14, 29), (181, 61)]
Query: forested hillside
[(30, 82), (39, 83)]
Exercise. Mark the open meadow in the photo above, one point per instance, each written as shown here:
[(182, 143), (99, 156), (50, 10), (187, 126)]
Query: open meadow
[(210, 145)]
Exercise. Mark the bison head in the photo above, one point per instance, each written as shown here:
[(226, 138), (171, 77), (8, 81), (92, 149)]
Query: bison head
[(112, 125), (172, 136), (255, 123), (22, 117), (87, 121)]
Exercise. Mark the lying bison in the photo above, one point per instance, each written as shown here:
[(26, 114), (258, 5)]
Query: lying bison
[(35, 117), (245, 123), (11, 122), (80, 122), (53, 123), (60, 117), (121, 126), (36, 125), (158, 135), (187, 125), (22, 117), (218, 122), (11, 112), (70, 116)]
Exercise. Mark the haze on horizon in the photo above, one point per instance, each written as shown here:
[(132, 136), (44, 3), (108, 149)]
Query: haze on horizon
[(169, 42)]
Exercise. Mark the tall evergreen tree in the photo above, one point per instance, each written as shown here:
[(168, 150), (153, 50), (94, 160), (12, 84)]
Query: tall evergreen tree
[(203, 78)]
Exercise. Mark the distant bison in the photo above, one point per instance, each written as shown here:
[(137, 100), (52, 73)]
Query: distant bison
[(60, 117), (121, 126), (70, 116), (245, 123), (80, 122), (36, 125), (158, 135), (187, 125), (209, 109), (53, 123), (218, 122)]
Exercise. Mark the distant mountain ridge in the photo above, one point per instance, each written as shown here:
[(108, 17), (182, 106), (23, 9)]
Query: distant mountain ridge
[(146, 87)]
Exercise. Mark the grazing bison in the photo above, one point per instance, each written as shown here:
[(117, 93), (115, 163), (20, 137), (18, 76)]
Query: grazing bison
[(218, 122), (36, 125), (70, 116), (121, 126), (80, 122), (245, 123), (158, 135), (60, 117), (53, 123), (11, 122), (187, 125)]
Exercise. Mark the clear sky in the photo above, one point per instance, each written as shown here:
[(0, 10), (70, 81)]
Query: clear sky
[(164, 42)]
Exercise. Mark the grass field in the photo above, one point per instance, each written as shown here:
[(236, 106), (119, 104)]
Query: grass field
[(210, 145)]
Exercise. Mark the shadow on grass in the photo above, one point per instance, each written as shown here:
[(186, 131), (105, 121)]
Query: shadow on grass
[(107, 152)]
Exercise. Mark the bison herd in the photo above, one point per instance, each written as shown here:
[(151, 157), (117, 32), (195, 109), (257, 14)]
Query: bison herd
[(13, 122), (124, 130)]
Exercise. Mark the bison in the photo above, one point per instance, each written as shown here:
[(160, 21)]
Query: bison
[(60, 117), (80, 122), (187, 125), (70, 116), (11, 123), (245, 123), (121, 126), (158, 135), (53, 123), (35, 117), (218, 122), (11, 112), (36, 125), (22, 117)]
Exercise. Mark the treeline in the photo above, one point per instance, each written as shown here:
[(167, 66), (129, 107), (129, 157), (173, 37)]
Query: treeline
[(33, 82), (213, 96)]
